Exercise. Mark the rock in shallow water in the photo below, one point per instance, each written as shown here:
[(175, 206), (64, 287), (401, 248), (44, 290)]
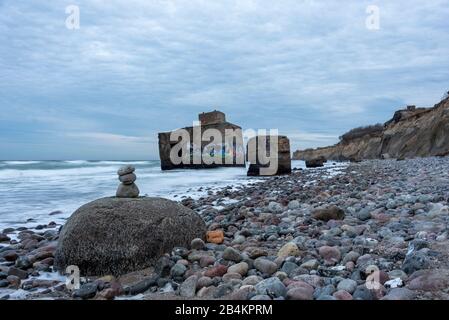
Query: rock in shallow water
[(128, 234), (4, 237)]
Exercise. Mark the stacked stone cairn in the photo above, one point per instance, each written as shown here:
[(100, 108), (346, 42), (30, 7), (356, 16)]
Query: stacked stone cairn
[(127, 187)]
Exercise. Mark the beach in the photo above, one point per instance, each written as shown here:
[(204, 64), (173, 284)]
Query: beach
[(315, 234)]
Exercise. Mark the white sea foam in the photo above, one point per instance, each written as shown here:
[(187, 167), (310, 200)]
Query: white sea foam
[(20, 163)]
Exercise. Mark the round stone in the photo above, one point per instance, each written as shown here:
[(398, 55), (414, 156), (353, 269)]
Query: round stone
[(347, 285), (178, 270), (232, 254), (300, 293), (331, 255), (265, 266), (197, 244), (289, 250), (240, 268), (127, 191), (342, 295), (272, 287), (117, 236)]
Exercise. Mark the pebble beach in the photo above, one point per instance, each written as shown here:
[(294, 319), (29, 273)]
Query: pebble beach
[(361, 231)]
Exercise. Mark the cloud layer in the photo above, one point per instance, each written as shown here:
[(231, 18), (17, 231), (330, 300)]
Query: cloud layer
[(134, 68)]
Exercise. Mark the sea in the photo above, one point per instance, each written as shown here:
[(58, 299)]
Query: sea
[(38, 192)]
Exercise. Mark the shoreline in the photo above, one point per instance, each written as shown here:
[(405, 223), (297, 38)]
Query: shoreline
[(395, 218)]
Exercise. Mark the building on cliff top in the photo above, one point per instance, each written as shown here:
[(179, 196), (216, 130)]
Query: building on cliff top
[(224, 149)]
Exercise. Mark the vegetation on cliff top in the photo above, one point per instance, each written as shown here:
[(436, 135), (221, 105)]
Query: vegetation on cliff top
[(361, 132)]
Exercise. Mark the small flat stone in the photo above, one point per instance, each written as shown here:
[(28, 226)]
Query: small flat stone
[(128, 178), (126, 170)]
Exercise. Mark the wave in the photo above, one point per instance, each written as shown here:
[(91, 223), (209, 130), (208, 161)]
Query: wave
[(77, 161), (15, 163)]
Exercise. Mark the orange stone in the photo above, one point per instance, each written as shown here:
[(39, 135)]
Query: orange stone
[(216, 236)]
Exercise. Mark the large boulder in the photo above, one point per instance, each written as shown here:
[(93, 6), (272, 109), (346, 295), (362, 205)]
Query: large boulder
[(119, 235), (315, 163)]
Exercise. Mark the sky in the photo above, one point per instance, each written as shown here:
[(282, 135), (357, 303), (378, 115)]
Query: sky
[(311, 69)]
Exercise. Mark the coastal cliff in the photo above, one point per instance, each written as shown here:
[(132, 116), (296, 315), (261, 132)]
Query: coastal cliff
[(412, 132)]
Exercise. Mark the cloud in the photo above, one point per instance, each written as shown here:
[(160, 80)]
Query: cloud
[(110, 138), (134, 68)]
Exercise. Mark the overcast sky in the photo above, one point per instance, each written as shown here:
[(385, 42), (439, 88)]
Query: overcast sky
[(311, 69)]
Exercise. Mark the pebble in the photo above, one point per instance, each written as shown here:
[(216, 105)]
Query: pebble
[(328, 213), (364, 214), (342, 295), (4, 238), (240, 268), (275, 207), (415, 261), (14, 281), (217, 271), (294, 204), (188, 288), (363, 293), (272, 287), (347, 285), (232, 254), (310, 264), (252, 280), (429, 280), (400, 294), (128, 179), (178, 270), (289, 250), (18, 272), (299, 293), (331, 255), (265, 266), (215, 236), (204, 282), (86, 291), (23, 263), (197, 244), (126, 170)]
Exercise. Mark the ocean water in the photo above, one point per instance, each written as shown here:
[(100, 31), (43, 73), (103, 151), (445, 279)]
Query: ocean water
[(31, 190)]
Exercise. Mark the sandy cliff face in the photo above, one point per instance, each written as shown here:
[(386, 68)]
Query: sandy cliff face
[(411, 133)]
